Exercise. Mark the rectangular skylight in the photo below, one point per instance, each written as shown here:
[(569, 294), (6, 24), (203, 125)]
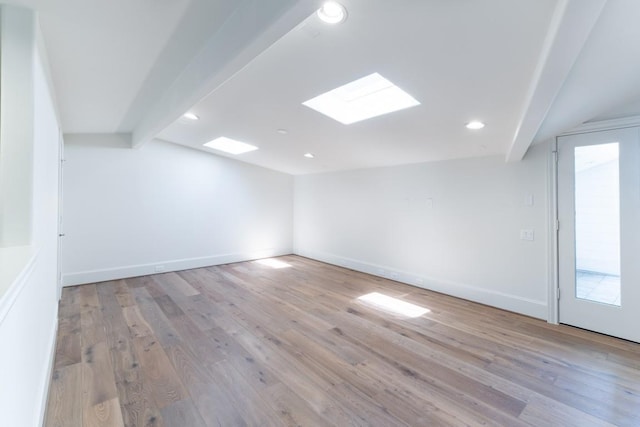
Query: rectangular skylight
[(230, 146), (368, 97)]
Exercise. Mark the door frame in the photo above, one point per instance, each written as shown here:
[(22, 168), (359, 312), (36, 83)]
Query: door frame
[(554, 223), (60, 228), (554, 242)]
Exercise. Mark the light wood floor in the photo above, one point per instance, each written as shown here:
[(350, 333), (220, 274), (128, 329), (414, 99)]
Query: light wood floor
[(246, 344)]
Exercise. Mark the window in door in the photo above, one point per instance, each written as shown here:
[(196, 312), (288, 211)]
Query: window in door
[(597, 223)]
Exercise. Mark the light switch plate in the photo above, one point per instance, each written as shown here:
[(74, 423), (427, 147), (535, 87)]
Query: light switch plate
[(528, 200), (526, 234)]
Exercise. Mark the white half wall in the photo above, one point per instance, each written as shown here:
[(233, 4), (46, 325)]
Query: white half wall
[(451, 226), (165, 207), (28, 305)]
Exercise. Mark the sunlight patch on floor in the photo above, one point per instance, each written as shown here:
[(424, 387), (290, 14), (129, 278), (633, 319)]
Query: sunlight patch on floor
[(393, 305), (273, 263)]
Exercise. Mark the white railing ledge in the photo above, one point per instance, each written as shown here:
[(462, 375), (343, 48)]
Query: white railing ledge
[(16, 264)]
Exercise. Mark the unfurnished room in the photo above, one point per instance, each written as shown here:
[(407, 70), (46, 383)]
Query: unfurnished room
[(319, 213)]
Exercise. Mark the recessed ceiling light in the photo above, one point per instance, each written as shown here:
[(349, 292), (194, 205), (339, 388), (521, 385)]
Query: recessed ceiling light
[(190, 116), (309, 155), (230, 146), (475, 125), (332, 12), (282, 131), (362, 99)]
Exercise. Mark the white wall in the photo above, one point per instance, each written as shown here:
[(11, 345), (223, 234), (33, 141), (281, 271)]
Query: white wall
[(451, 226), (17, 32), (598, 219), (28, 308), (130, 211)]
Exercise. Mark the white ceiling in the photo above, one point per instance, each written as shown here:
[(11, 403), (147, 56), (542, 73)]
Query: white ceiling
[(605, 80), (530, 69), (115, 63), (462, 60), (101, 52)]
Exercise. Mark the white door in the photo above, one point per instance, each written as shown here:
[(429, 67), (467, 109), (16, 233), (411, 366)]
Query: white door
[(599, 234)]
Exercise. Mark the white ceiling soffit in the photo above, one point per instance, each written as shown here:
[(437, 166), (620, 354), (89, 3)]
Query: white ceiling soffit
[(200, 22), (128, 66), (568, 31), (604, 82), (462, 60), (100, 53), (251, 28)]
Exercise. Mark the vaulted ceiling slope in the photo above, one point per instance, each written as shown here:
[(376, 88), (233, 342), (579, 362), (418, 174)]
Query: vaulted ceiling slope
[(134, 66), (529, 69)]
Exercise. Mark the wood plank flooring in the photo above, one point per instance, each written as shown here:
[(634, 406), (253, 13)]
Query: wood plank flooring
[(249, 345)]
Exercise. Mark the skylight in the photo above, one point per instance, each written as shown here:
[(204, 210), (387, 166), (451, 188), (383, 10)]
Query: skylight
[(191, 116), (393, 305), (362, 99), (230, 146), (474, 125)]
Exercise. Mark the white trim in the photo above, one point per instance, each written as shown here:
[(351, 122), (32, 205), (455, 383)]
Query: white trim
[(46, 384), (247, 32), (612, 124), (60, 218), (18, 284), (570, 26), (552, 292), (501, 300), (6, 303), (122, 272)]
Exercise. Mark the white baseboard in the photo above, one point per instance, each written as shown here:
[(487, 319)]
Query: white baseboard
[(529, 307), (123, 272)]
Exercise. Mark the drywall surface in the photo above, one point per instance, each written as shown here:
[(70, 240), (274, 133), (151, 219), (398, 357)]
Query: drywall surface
[(452, 226), (28, 308), (17, 37), (129, 212)]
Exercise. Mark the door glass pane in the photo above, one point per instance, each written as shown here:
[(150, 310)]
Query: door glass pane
[(597, 205)]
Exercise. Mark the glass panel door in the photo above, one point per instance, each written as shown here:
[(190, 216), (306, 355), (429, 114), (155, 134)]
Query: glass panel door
[(599, 234)]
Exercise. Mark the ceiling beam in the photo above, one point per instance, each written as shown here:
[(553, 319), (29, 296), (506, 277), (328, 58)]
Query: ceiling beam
[(250, 29), (569, 29)]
